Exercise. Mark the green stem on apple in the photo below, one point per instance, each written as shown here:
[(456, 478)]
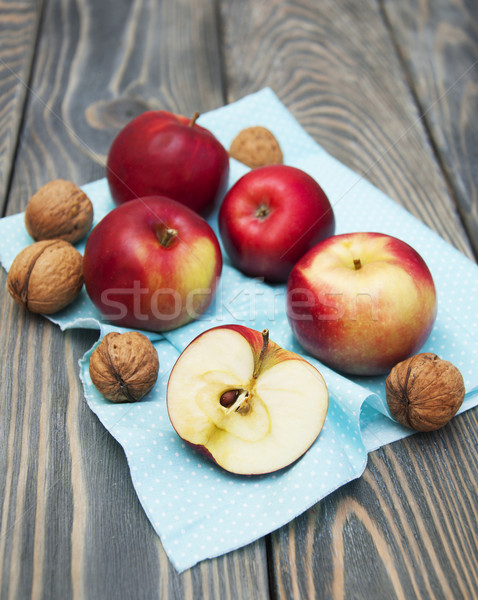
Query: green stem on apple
[(194, 119), (265, 343), (357, 264), (166, 236)]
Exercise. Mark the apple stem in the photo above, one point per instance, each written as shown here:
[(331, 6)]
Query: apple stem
[(166, 236), (265, 343), (241, 398), (357, 264), (194, 119)]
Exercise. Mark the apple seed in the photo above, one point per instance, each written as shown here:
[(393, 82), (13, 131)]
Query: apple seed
[(235, 401), (357, 264), (241, 404), (228, 398)]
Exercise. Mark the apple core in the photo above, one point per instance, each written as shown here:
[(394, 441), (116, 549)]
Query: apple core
[(239, 400), (253, 409)]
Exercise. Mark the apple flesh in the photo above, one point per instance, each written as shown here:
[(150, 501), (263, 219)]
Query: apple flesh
[(361, 302), (153, 264), (271, 217), (245, 402), (160, 153)]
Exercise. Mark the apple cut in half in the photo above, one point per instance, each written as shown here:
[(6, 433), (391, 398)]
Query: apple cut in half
[(244, 402)]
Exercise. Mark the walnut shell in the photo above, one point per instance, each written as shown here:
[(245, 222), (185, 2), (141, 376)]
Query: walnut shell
[(59, 209), (256, 147), (46, 276), (124, 367), (424, 392)]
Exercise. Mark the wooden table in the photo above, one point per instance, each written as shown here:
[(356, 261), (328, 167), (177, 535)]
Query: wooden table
[(388, 87)]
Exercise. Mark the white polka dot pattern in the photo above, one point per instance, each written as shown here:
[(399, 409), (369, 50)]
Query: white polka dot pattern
[(198, 510)]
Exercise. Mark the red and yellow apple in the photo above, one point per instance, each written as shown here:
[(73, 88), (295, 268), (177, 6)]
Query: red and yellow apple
[(271, 217), (244, 402), (152, 263), (361, 302), (160, 153)]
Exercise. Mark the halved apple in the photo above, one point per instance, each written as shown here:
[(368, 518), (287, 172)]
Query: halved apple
[(245, 402)]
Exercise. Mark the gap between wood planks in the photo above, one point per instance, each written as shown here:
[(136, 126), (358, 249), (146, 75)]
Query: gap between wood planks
[(422, 112), (25, 96)]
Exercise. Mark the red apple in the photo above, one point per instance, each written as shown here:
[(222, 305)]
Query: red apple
[(152, 263), (160, 153), (361, 302), (271, 217), (244, 402)]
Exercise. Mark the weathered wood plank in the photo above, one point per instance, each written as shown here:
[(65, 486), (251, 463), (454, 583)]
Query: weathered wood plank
[(71, 524), (403, 529), (334, 66), (19, 22), (438, 44), (69, 516), (99, 65)]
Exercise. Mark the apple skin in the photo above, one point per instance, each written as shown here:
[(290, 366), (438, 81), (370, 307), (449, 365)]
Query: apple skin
[(135, 281), (257, 440), (160, 153), (361, 321), (271, 217)]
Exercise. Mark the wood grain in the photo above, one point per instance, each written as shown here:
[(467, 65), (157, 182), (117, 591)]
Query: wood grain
[(438, 45), (393, 532), (164, 55), (18, 33), (405, 529), (71, 523), (334, 66)]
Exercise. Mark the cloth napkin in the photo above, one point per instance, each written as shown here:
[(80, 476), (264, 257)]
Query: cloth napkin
[(198, 510)]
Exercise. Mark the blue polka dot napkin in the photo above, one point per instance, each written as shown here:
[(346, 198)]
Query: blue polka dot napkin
[(198, 510)]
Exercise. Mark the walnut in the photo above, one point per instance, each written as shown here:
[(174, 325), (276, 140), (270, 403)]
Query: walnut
[(124, 367), (424, 392), (59, 209), (256, 147), (46, 276)]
